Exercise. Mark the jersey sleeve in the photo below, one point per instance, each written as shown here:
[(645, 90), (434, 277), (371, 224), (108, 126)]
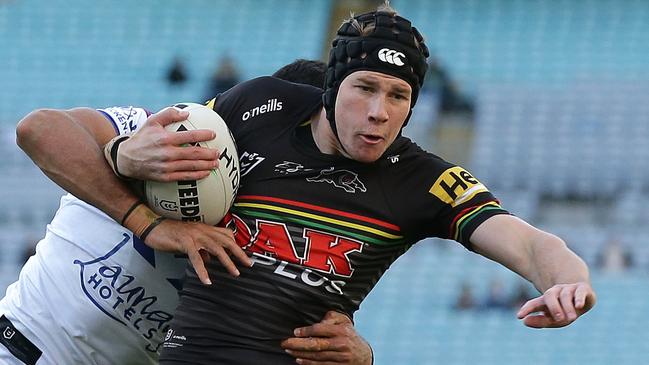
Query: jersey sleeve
[(125, 119), (444, 200), (465, 204)]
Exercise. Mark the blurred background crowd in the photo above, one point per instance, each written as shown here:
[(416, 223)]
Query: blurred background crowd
[(546, 102)]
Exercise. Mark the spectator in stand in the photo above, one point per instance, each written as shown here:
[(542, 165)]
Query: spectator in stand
[(225, 76), (466, 299), (177, 74), (521, 295), (614, 257), (441, 85), (497, 296)]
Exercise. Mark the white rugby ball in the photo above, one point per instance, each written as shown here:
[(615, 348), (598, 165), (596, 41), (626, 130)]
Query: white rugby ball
[(209, 199)]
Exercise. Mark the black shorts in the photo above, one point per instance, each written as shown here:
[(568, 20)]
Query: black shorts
[(200, 334)]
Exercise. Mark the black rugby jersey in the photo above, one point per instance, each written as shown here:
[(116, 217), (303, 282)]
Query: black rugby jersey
[(321, 229)]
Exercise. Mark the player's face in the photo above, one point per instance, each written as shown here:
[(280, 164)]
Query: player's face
[(371, 108)]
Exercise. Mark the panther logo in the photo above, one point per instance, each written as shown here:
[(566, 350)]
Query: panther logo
[(288, 167), (343, 179)]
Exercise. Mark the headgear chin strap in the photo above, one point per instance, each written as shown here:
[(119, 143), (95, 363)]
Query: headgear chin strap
[(390, 48)]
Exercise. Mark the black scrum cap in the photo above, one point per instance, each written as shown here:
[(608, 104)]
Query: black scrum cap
[(389, 48)]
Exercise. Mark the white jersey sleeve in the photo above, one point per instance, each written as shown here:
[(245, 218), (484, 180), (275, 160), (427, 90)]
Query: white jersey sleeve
[(126, 119)]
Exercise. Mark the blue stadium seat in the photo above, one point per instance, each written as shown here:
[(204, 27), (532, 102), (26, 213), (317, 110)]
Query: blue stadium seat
[(115, 54)]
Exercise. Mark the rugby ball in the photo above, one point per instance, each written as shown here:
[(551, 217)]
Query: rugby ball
[(209, 199)]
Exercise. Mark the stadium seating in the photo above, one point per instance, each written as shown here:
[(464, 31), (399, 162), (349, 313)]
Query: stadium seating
[(566, 142), (12, 245), (511, 42), (116, 53)]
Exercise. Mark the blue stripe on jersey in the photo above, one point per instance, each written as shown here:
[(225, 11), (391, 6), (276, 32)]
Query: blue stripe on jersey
[(147, 252)]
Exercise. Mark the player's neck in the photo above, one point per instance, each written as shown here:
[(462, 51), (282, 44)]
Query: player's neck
[(323, 136)]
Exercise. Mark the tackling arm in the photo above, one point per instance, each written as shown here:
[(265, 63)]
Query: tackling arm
[(65, 145)]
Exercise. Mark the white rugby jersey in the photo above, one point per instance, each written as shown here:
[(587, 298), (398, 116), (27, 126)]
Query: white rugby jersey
[(93, 293)]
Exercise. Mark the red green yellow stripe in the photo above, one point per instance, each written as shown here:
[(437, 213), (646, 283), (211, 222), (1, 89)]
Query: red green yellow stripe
[(319, 218), (466, 215), (320, 209), (323, 227)]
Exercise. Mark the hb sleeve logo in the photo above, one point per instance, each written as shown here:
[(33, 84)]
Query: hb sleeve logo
[(456, 186), (391, 56)]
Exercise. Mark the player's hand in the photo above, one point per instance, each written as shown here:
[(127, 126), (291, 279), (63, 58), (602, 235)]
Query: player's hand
[(559, 306), (200, 242), (330, 341), (153, 153)]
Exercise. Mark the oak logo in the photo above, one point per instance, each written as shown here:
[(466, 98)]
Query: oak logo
[(323, 252), (456, 186), (391, 56)]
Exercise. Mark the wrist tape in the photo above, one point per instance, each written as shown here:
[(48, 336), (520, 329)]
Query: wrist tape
[(141, 220), (110, 153)]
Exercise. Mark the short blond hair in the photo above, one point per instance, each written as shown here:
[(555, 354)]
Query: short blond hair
[(367, 28)]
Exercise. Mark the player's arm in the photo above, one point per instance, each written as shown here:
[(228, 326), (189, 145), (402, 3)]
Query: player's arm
[(543, 259), (67, 145)]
